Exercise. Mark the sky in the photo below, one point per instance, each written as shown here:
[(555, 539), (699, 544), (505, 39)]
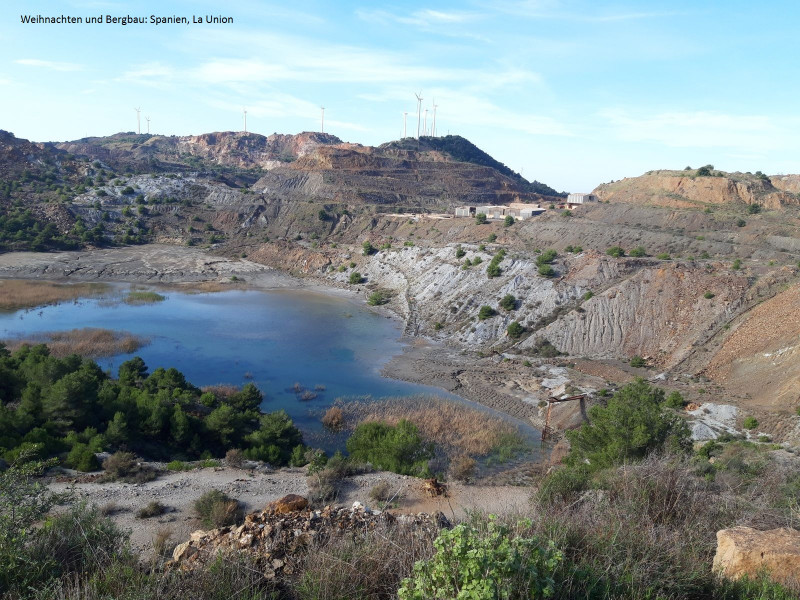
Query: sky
[(572, 93)]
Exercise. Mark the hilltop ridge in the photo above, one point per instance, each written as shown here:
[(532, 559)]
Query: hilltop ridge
[(696, 188)]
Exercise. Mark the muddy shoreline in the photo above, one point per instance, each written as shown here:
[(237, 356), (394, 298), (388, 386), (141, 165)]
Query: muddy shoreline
[(483, 381)]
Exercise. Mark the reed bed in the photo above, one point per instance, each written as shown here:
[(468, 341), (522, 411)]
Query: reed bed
[(456, 427), (88, 342), (19, 293)]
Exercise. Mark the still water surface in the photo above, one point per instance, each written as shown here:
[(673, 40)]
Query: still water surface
[(275, 339)]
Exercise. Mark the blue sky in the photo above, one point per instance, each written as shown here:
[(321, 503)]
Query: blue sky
[(570, 92)]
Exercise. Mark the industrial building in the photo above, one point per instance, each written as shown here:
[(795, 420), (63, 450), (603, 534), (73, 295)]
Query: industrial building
[(518, 210)]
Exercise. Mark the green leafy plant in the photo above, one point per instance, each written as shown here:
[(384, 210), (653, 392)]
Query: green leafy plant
[(750, 423), (355, 278), (475, 564), (616, 251), (508, 221), (480, 218), (638, 252)]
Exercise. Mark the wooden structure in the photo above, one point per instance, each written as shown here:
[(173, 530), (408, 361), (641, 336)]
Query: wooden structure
[(547, 431)]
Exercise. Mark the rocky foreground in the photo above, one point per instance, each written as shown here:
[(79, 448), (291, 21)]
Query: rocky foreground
[(287, 526)]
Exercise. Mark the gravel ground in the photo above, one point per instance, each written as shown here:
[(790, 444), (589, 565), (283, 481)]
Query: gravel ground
[(254, 489)]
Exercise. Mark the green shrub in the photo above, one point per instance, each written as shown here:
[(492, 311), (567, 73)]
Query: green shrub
[(508, 221), (493, 270), (616, 251), (355, 278), (638, 362), (633, 424), (663, 256), (737, 264), (638, 252), (547, 271), (377, 298), (675, 400), (566, 213), (484, 564), (753, 209), (708, 295), (480, 218), (705, 171), (588, 295), (741, 222), (515, 330), (460, 252), (547, 257), (367, 248), (486, 312), (492, 238), (399, 448), (82, 458), (750, 423), (508, 302)]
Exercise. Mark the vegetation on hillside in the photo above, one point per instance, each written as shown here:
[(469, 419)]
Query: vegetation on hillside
[(462, 150)]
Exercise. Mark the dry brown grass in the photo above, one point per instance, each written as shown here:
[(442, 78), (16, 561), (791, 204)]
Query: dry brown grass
[(456, 427), (88, 342), (333, 418), (19, 293)]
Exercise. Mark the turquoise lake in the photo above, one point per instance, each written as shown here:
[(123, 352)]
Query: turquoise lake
[(275, 339)]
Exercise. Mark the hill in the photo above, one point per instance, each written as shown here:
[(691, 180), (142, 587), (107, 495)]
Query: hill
[(702, 187), (460, 149)]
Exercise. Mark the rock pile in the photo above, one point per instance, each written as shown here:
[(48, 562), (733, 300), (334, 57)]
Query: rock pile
[(276, 536)]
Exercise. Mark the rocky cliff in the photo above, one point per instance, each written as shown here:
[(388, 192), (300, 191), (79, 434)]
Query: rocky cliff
[(688, 189)]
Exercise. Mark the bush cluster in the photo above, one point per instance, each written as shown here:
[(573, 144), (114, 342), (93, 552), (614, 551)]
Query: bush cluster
[(70, 408), (494, 270)]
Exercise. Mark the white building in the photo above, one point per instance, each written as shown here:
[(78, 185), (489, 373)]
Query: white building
[(581, 198), (518, 210)]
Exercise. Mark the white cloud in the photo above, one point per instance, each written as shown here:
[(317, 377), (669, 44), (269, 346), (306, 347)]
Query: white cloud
[(556, 10), (152, 73), (49, 64), (704, 129)]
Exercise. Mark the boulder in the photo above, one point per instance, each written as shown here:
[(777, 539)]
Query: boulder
[(746, 551), (288, 504)]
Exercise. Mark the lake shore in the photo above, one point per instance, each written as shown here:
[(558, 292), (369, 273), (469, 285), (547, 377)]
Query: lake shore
[(485, 381)]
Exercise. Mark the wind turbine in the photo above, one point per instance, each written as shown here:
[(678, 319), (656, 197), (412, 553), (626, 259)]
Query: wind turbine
[(148, 124), (244, 111), (435, 106), (138, 120), (419, 110), (405, 115), (322, 121), (425, 123)]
